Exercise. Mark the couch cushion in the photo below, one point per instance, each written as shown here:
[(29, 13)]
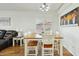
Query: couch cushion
[(12, 32), (2, 33), (8, 37), (2, 41)]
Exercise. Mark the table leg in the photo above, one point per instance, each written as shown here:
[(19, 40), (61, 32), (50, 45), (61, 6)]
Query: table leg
[(20, 42), (58, 46), (61, 49), (13, 42), (25, 44)]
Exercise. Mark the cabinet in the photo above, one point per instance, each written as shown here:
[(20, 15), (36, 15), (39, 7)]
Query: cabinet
[(39, 28), (44, 28)]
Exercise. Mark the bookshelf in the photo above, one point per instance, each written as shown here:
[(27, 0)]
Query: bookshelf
[(44, 28)]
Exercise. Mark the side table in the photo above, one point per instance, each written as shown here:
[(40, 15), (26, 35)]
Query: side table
[(16, 39)]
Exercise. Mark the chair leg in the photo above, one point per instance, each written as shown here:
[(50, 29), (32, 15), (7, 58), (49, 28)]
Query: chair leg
[(42, 51), (53, 50), (36, 51)]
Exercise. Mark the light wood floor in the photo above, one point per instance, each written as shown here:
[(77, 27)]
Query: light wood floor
[(13, 51), (19, 51)]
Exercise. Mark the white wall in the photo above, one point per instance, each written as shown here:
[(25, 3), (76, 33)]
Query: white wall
[(70, 34), (19, 20), (26, 20), (67, 7), (71, 39)]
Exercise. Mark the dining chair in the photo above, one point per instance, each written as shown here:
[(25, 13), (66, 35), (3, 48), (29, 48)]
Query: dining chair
[(32, 47), (47, 45)]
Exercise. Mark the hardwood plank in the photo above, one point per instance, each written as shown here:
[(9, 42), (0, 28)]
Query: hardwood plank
[(19, 51)]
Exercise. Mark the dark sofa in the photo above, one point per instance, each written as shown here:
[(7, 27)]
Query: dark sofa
[(6, 37)]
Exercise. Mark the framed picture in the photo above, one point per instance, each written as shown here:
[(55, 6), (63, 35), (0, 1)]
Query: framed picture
[(5, 21), (71, 18)]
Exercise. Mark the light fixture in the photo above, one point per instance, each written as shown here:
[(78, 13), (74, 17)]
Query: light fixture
[(44, 7)]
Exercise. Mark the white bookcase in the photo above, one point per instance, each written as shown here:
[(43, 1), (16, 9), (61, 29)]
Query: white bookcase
[(39, 28), (47, 28), (44, 28)]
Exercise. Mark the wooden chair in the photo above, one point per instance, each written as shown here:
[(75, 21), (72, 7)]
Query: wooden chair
[(57, 44), (32, 47), (47, 45)]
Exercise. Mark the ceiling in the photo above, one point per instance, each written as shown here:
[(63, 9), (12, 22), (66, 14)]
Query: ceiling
[(28, 6)]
